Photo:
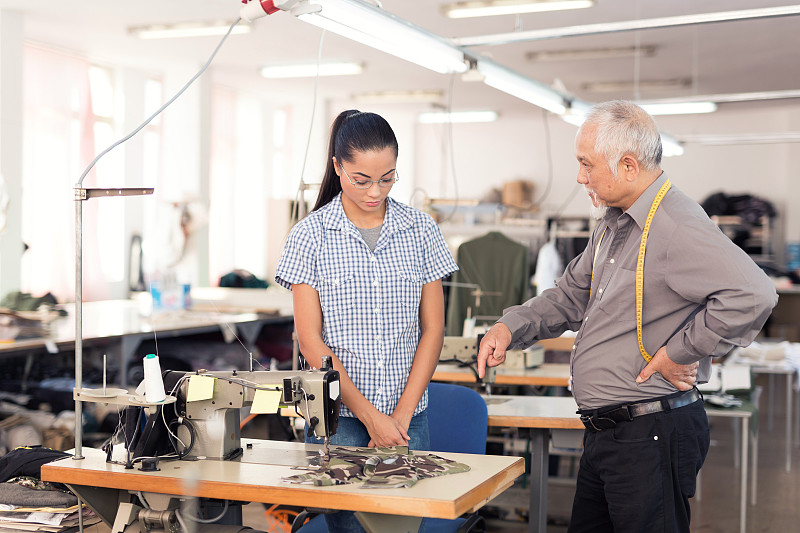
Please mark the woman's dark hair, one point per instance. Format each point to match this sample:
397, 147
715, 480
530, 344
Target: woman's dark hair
352, 131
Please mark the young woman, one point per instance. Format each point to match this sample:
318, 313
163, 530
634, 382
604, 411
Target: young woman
365, 272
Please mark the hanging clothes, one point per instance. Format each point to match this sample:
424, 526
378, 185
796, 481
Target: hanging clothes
549, 267
500, 267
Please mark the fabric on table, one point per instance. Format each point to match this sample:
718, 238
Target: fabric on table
27, 461
14, 494
391, 467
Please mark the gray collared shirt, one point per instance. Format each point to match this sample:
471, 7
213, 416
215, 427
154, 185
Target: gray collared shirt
702, 296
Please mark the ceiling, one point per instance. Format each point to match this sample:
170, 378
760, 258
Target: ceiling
728, 57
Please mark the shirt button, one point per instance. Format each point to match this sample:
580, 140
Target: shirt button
377, 337
574, 346
373, 258
611, 260
377, 309
375, 283
600, 291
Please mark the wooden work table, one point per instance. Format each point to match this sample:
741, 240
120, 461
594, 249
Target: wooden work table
546, 374
256, 477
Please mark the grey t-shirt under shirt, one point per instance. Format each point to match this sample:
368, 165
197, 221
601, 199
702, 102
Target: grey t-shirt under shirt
371, 236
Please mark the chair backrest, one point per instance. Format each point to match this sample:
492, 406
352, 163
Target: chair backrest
457, 418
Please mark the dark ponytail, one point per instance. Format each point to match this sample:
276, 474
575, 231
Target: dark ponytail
352, 131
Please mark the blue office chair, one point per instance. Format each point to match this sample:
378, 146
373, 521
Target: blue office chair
458, 422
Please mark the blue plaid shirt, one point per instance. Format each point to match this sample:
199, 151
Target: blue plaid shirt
370, 300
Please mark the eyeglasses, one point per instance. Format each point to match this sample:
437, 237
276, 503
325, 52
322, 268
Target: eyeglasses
366, 184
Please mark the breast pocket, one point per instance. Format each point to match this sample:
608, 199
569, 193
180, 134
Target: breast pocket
618, 299
409, 288
337, 292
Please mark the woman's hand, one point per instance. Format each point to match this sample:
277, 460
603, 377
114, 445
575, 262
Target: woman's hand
385, 430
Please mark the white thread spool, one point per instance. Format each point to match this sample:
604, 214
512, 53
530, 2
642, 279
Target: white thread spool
153, 382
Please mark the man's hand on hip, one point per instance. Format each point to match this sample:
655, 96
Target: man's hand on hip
492, 351
682, 376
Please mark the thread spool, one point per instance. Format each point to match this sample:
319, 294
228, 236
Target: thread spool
153, 382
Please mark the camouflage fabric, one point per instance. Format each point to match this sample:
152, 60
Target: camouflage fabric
393, 467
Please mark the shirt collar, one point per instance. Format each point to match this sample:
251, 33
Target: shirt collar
641, 207
397, 218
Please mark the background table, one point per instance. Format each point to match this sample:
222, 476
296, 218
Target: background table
537, 415
122, 323
546, 374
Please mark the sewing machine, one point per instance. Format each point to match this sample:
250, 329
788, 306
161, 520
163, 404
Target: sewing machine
212, 423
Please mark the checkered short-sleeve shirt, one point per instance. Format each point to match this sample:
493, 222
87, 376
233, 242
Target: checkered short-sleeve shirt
370, 300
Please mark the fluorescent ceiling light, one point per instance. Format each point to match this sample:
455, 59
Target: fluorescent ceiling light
310, 70
720, 139
456, 117
400, 97
379, 29
630, 85
670, 147
730, 97
684, 108
586, 54
523, 88
627, 25
189, 29
510, 7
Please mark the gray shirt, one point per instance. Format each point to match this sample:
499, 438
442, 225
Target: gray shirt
370, 236
702, 296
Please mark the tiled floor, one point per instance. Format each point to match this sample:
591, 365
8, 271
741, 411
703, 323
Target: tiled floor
778, 492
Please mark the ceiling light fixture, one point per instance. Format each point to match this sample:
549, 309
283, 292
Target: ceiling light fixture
400, 97
731, 97
721, 139
521, 87
371, 26
509, 7
683, 108
586, 54
310, 70
627, 25
189, 29
456, 117
643, 85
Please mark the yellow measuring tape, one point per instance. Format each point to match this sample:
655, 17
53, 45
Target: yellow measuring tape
640, 267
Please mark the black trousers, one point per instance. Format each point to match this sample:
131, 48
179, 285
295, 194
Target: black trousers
638, 476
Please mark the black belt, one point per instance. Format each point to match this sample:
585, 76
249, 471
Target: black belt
600, 419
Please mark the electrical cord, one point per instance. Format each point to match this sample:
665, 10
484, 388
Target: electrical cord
300, 196
162, 108
549, 153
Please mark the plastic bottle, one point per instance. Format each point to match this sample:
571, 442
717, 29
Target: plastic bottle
153, 382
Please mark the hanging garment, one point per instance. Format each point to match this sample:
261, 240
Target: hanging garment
496, 264
392, 467
548, 267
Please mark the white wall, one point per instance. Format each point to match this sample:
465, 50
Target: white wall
487, 155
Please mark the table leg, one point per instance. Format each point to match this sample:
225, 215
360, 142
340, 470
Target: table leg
537, 513
771, 401
743, 498
789, 402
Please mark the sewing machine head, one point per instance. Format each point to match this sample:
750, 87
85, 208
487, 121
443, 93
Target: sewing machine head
211, 419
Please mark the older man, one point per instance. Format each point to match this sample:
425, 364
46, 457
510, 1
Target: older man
657, 292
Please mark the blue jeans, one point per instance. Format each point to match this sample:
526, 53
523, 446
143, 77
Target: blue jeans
351, 432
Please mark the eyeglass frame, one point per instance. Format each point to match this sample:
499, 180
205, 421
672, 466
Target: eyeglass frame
394, 180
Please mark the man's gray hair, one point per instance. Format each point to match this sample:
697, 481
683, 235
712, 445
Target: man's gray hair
624, 128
